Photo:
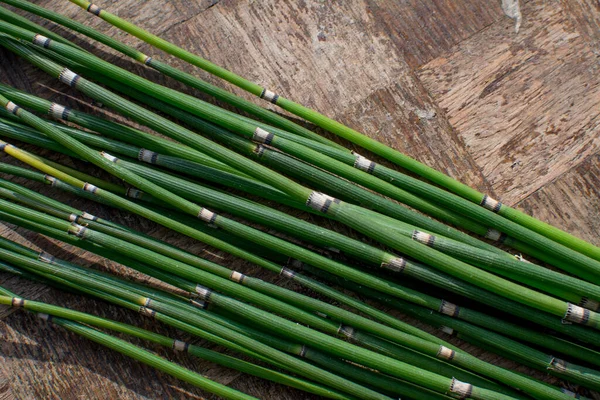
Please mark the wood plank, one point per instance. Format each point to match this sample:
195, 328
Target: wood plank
526, 104
585, 16
337, 58
571, 202
424, 30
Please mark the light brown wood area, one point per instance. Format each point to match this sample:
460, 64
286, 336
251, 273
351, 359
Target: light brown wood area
526, 104
447, 82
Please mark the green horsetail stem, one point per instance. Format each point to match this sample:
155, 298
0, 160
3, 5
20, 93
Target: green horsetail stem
219, 133
564, 286
65, 284
316, 175
170, 71
249, 130
158, 123
261, 214
355, 373
178, 346
501, 344
112, 245
350, 134
22, 133
307, 282
142, 293
131, 351
223, 237
114, 130
46, 205
188, 102
322, 287
162, 262
387, 287
578, 332
148, 306
18, 20
167, 250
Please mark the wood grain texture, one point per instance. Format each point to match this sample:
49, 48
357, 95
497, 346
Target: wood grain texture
424, 30
585, 15
571, 202
351, 60
526, 104
338, 58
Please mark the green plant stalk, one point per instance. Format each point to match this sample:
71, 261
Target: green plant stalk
112, 247
573, 330
248, 129
158, 123
355, 373
499, 342
566, 287
352, 135
159, 217
290, 249
476, 318
65, 284
388, 287
145, 293
297, 277
286, 326
203, 228
18, 20
134, 352
22, 172
173, 96
346, 213
43, 204
386, 384
152, 360
562, 369
430, 348
217, 132
269, 289
117, 131
515, 350
149, 305
172, 72
208, 128
313, 171
220, 176
531, 274
176, 345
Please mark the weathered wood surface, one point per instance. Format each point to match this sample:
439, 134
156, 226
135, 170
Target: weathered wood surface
526, 104
388, 68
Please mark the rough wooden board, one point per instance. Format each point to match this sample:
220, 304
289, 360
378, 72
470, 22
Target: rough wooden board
316, 54
424, 30
328, 43
571, 202
585, 15
526, 104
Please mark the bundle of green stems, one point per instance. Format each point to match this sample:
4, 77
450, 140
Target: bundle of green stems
218, 177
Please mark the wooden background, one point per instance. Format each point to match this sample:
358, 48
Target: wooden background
449, 82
